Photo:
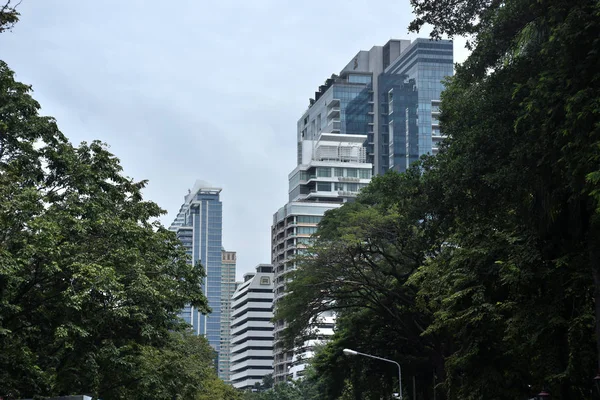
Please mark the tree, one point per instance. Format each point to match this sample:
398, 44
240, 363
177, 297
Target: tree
8, 15
89, 284
359, 266
496, 242
519, 204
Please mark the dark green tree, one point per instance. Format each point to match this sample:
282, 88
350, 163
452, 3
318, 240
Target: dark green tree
90, 283
515, 284
359, 266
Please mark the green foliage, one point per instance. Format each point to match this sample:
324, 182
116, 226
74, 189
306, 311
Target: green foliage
481, 265
8, 15
90, 286
359, 266
293, 390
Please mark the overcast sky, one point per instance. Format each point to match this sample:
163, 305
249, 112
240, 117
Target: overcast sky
196, 89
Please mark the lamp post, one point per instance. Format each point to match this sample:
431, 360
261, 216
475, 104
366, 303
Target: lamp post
597, 382
543, 395
349, 352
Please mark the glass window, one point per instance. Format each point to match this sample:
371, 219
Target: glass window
308, 219
339, 172
352, 187
324, 186
364, 173
323, 172
352, 172
306, 230
355, 78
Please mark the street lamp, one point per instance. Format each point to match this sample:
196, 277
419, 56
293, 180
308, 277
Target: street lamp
350, 352
543, 395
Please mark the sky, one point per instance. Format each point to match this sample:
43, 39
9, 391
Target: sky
197, 89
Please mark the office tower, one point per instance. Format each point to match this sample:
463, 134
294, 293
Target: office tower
409, 108
199, 227
332, 169
228, 286
252, 329
387, 100
386, 93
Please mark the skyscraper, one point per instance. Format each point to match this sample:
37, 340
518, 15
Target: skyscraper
385, 93
332, 169
228, 285
409, 91
199, 227
386, 100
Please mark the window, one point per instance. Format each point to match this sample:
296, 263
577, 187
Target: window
339, 172
364, 173
352, 172
352, 187
264, 280
306, 230
324, 186
308, 219
355, 78
323, 172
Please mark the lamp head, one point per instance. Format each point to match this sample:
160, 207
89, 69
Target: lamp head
349, 352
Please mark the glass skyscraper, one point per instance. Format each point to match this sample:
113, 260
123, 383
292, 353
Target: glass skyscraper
409, 90
388, 93
199, 227
384, 101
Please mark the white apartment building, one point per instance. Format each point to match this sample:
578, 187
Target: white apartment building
332, 171
251, 328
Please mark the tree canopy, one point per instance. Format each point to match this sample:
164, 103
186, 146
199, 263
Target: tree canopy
483, 262
90, 282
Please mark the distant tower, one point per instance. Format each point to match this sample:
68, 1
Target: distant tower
228, 285
199, 227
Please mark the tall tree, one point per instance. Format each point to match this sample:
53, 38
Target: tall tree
520, 183
359, 265
89, 280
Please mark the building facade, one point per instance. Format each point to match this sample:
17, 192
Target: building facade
228, 286
385, 93
252, 328
332, 169
410, 88
199, 227
385, 100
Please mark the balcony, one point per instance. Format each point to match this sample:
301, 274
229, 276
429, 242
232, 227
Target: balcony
333, 113
334, 126
334, 103
348, 179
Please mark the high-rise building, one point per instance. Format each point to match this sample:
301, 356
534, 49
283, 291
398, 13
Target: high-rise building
199, 227
228, 286
385, 99
332, 169
252, 329
408, 108
385, 93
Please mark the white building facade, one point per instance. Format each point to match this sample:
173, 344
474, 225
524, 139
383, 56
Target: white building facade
332, 170
252, 329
